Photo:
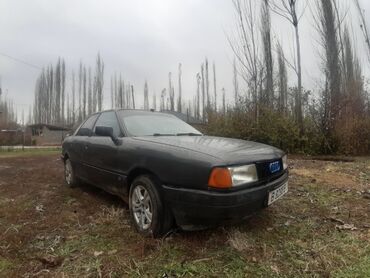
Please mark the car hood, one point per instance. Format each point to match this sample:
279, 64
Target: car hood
230, 151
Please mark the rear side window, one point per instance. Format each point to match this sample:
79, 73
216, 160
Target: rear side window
87, 128
109, 119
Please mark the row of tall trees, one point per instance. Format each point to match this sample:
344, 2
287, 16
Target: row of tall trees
203, 101
54, 104
123, 93
49, 100
344, 100
8, 114
336, 118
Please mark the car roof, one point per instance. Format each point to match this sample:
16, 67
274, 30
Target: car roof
137, 112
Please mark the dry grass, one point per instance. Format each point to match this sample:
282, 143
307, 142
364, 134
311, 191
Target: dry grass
48, 230
239, 240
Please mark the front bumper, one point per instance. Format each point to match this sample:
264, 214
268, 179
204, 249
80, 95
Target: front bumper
207, 208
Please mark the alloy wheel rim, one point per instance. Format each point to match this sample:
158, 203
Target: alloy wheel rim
142, 207
68, 172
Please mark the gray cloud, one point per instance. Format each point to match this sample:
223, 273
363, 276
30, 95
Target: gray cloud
142, 39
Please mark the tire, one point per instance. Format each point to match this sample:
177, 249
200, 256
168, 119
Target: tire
69, 174
149, 214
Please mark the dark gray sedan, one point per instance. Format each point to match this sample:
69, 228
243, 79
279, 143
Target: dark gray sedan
170, 173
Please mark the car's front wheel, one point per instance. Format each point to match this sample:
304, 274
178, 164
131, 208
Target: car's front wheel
69, 174
148, 213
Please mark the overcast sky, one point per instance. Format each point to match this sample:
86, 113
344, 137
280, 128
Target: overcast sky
142, 39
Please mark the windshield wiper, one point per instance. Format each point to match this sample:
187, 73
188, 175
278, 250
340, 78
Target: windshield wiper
188, 134
163, 134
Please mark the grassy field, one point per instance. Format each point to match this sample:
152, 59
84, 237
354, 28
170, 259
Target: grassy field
320, 229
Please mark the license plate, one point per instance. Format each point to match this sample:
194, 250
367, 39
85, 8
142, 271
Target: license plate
277, 193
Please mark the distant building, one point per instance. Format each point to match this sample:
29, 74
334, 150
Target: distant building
47, 135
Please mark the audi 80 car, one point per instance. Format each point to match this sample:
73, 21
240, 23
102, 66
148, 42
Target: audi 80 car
170, 173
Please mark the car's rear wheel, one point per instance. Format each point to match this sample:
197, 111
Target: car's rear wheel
69, 174
149, 214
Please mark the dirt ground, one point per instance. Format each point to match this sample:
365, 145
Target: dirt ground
321, 228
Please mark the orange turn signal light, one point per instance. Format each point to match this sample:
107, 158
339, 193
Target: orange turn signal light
220, 178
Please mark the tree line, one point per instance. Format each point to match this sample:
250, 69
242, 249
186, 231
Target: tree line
8, 114
55, 104
269, 102
333, 119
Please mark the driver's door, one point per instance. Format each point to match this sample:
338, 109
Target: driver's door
102, 155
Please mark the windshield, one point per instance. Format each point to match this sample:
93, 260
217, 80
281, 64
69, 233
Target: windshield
156, 125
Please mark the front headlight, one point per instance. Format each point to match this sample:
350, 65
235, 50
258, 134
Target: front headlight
221, 177
285, 162
243, 174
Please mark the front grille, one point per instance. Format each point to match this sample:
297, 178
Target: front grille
264, 173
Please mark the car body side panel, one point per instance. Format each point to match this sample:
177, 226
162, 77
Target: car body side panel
102, 161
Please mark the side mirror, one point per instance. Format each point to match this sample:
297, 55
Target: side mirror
107, 132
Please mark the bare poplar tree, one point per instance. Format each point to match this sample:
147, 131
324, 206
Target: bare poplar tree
203, 94
73, 98
68, 111
214, 86
84, 93
80, 77
348, 62
172, 99
245, 45
171, 92
282, 80
126, 94
112, 92
133, 96
363, 26
121, 93
199, 78
154, 106
267, 93
339, 20
353, 98
50, 96
235, 84
63, 88
146, 96
207, 85
99, 81
116, 87
288, 9
29, 120
223, 102
163, 99
329, 38
57, 92
179, 103
89, 94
